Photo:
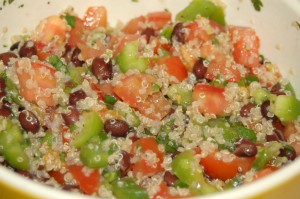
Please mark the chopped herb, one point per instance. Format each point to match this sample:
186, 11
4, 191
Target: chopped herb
109, 99
59, 65
21, 6
257, 4
135, 0
70, 20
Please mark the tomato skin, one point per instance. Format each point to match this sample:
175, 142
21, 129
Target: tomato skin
174, 67
211, 99
196, 32
95, 17
58, 176
129, 87
219, 169
245, 46
88, 184
158, 19
44, 79
163, 192
134, 25
141, 166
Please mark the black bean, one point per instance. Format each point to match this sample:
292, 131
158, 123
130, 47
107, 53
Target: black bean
5, 110
148, 32
5, 57
71, 117
2, 87
170, 178
28, 49
74, 57
29, 121
117, 128
199, 69
15, 46
264, 109
277, 89
68, 53
277, 124
101, 69
245, 110
276, 136
76, 96
178, 33
125, 163
288, 152
68, 187
245, 148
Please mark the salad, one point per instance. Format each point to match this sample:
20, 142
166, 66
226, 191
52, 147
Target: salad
153, 108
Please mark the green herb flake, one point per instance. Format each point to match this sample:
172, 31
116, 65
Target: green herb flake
298, 24
257, 4
70, 20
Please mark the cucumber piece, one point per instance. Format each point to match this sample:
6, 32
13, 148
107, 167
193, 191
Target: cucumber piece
128, 58
260, 95
126, 188
92, 125
205, 8
180, 94
286, 108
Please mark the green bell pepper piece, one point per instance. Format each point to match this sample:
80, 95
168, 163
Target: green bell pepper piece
188, 170
260, 95
126, 188
205, 8
92, 125
129, 59
265, 154
286, 108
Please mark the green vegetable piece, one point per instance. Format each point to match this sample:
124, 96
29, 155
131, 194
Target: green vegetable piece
16, 157
260, 95
129, 59
111, 176
92, 125
92, 153
232, 134
56, 62
163, 137
286, 108
188, 170
11, 140
76, 75
166, 32
126, 188
257, 4
246, 81
180, 94
109, 99
127, 113
265, 154
13, 94
71, 20
205, 8
49, 138
290, 88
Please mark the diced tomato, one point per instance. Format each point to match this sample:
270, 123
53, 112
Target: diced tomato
163, 192
135, 88
64, 130
142, 166
219, 65
245, 46
134, 25
76, 33
217, 168
36, 81
210, 98
95, 17
158, 20
58, 176
264, 172
196, 32
88, 183
174, 67
123, 41
43, 52
155, 107
51, 30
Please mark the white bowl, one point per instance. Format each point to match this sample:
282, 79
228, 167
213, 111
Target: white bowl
280, 42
